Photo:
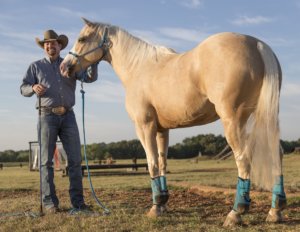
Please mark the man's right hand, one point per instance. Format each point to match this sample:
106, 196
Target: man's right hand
39, 89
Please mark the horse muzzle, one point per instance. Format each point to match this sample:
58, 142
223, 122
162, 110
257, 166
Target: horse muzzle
67, 69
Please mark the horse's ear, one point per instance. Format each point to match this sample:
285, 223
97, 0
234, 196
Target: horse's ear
87, 22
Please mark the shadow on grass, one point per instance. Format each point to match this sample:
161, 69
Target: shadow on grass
210, 170
116, 173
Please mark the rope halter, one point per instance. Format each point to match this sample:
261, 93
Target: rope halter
103, 44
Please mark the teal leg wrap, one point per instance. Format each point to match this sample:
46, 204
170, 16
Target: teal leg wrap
156, 189
160, 193
242, 198
164, 190
163, 183
278, 195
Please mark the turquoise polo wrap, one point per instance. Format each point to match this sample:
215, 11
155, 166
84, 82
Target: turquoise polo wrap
163, 183
160, 194
278, 194
242, 198
164, 197
156, 189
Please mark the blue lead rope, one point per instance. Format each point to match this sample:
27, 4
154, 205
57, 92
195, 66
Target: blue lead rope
106, 210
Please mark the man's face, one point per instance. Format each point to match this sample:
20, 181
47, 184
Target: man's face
52, 49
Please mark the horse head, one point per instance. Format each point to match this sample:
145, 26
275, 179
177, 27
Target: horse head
89, 48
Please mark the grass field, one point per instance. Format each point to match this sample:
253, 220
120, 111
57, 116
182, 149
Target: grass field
201, 195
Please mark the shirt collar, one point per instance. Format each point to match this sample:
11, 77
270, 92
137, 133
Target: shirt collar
54, 62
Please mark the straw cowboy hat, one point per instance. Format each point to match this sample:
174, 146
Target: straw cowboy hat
51, 35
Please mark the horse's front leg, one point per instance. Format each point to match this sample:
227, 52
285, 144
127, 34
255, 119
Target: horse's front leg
146, 131
162, 139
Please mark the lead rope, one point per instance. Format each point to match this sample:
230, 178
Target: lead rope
106, 210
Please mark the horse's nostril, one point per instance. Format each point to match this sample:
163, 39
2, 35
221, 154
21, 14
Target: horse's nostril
70, 68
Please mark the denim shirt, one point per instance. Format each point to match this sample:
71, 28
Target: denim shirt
60, 90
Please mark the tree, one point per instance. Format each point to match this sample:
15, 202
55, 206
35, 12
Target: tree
208, 145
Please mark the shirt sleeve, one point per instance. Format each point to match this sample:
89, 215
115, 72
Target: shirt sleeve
28, 81
89, 75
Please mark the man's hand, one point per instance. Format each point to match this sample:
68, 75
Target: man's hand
39, 89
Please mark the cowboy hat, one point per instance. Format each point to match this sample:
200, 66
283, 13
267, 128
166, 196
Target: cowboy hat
51, 35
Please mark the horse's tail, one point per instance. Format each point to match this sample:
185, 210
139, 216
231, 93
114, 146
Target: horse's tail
263, 140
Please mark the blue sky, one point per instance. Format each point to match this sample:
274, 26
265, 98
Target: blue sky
179, 24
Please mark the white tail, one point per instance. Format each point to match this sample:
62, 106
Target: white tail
264, 140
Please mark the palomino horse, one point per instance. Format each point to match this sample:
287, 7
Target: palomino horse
232, 77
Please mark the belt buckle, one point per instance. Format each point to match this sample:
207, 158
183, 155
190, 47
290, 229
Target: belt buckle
60, 110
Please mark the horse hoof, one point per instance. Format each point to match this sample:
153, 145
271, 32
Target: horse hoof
233, 219
163, 209
154, 212
274, 216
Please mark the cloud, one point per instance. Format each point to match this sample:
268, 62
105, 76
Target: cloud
151, 37
65, 12
190, 35
177, 38
282, 42
6, 18
4, 111
14, 62
109, 14
16, 35
167, 35
246, 20
192, 4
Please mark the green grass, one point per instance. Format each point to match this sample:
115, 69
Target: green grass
128, 196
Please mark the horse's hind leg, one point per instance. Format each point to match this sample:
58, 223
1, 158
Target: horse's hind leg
236, 138
278, 201
233, 127
278, 198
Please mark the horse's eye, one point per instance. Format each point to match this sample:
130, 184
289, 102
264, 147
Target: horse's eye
81, 39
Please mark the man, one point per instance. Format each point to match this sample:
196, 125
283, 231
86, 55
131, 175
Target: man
57, 97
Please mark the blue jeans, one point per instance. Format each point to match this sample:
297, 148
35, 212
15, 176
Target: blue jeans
65, 127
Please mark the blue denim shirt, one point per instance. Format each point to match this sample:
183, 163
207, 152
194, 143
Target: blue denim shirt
60, 90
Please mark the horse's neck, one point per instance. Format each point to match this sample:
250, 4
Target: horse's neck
119, 64
121, 60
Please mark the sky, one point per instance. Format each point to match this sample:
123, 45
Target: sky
179, 24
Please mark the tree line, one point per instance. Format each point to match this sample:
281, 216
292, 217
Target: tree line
208, 145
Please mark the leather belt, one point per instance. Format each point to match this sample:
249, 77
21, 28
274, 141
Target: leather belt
59, 110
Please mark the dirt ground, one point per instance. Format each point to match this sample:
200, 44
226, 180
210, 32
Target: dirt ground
209, 203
